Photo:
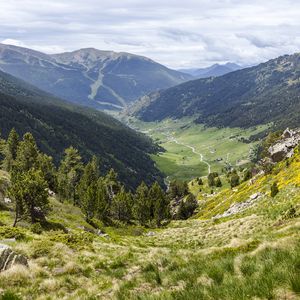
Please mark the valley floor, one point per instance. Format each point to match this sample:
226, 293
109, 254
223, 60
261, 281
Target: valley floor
193, 150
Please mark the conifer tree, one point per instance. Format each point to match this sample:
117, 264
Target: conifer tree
29, 192
48, 170
27, 154
121, 207
69, 174
103, 201
142, 204
9, 150
159, 204
89, 177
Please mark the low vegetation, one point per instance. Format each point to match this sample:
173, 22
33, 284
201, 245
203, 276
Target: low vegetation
253, 253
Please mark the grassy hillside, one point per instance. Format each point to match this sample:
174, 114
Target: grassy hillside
56, 125
262, 94
254, 254
219, 147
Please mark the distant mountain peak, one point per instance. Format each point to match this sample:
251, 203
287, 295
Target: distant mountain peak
98, 78
213, 70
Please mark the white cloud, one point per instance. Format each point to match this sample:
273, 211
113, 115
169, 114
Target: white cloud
190, 33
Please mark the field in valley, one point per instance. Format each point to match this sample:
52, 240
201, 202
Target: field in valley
192, 150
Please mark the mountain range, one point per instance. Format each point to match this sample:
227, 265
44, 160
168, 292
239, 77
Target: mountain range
90, 77
267, 93
57, 124
212, 71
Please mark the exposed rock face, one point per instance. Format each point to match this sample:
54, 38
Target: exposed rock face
9, 258
284, 148
236, 208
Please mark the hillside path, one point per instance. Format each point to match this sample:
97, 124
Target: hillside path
171, 138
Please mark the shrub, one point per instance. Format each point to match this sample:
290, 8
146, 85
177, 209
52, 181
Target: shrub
74, 240
36, 228
7, 232
274, 189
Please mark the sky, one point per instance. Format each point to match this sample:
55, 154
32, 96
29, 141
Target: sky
176, 33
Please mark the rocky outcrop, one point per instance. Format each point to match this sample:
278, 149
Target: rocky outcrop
9, 258
236, 208
284, 148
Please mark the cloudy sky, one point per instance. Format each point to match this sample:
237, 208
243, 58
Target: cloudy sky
177, 33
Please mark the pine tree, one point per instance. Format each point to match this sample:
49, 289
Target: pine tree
90, 176
112, 184
211, 179
187, 207
142, 205
159, 204
103, 201
234, 180
48, 170
29, 191
121, 206
27, 154
9, 150
69, 174
89, 201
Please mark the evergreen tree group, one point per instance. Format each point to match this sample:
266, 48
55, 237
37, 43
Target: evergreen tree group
100, 197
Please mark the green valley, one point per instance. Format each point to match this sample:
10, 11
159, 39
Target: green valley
193, 150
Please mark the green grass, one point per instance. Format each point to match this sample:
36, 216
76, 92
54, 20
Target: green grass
251, 255
179, 161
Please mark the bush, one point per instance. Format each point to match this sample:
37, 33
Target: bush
73, 240
7, 232
274, 189
36, 228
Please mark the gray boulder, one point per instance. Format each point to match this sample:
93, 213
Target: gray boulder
9, 258
284, 148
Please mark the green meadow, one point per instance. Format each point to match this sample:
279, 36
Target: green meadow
219, 146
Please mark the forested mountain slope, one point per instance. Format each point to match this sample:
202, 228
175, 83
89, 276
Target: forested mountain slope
57, 124
269, 92
90, 77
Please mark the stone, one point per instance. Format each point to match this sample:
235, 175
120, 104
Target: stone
7, 200
284, 148
150, 233
9, 258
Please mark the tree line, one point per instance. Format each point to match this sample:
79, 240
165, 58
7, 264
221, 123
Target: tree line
100, 196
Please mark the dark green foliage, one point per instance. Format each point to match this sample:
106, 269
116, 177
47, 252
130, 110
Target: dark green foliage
9, 150
8, 232
69, 174
160, 204
187, 207
121, 206
247, 175
29, 192
262, 94
142, 204
214, 180
27, 154
56, 125
7, 295
178, 189
218, 182
234, 180
200, 181
274, 189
